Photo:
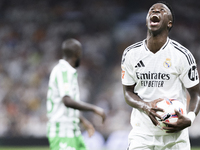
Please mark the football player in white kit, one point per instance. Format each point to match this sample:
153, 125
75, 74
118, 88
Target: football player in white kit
156, 68
63, 102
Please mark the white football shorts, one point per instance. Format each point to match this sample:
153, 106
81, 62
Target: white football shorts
173, 141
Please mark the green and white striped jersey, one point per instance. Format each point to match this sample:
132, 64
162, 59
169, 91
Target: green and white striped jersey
62, 121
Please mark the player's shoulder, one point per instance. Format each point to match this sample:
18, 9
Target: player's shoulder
55, 68
59, 67
177, 46
183, 51
132, 48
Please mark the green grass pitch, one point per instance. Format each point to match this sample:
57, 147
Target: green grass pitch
195, 148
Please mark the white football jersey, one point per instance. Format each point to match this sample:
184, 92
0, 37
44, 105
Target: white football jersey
164, 74
62, 121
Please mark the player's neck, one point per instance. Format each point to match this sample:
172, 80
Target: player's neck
70, 61
154, 43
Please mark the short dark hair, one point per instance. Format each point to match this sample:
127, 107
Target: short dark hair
171, 10
70, 47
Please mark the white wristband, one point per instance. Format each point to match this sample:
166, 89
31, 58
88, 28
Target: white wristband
191, 115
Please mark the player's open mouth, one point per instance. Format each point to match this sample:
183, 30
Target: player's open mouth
154, 20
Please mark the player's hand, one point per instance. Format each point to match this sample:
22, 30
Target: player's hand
151, 109
88, 127
99, 111
182, 123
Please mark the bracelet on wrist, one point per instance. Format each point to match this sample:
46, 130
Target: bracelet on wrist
191, 115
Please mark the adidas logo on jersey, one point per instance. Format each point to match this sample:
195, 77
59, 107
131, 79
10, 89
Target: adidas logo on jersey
140, 64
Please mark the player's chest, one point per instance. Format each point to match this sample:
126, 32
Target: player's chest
155, 66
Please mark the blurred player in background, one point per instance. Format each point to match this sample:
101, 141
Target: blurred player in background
158, 68
63, 102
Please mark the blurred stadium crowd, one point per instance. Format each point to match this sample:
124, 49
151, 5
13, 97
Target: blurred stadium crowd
31, 33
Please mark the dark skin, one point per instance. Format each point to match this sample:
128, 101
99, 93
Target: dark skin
135, 101
72, 54
184, 122
83, 106
159, 21
87, 125
158, 32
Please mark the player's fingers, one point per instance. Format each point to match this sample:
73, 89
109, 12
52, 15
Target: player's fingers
103, 118
158, 109
158, 100
154, 120
156, 115
170, 131
91, 132
168, 128
168, 124
177, 113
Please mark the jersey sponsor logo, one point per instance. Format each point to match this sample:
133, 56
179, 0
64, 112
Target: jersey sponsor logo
150, 79
193, 73
149, 75
152, 83
167, 63
140, 64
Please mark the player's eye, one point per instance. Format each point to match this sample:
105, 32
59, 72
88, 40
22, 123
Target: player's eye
162, 10
151, 9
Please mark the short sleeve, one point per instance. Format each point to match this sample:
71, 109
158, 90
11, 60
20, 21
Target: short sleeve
63, 82
127, 74
189, 73
58, 84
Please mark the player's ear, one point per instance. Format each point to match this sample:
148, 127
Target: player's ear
169, 24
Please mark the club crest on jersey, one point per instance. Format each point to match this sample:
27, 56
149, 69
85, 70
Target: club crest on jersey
167, 63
